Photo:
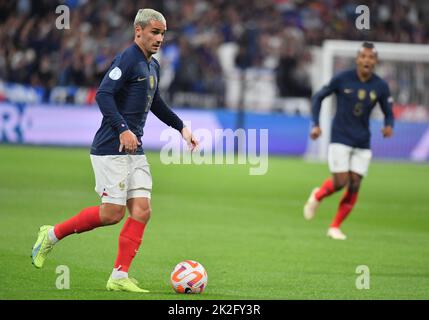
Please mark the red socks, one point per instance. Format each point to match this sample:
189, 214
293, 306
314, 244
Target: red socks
129, 243
325, 190
87, 219
346, 205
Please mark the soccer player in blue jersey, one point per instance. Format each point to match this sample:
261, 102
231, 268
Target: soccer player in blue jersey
128, 91
358, 90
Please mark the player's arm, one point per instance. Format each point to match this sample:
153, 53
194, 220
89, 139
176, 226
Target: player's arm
113, 81
316, 105
160, 109
386, 102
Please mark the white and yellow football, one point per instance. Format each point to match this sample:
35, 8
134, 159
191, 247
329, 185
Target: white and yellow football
189, 276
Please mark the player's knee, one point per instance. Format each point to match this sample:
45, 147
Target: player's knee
355, 181
112, 214
142, 214
117, 217
340, 181
340, 184
354, 186
145, 214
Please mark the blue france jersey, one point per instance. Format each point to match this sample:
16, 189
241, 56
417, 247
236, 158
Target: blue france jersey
355, 101
127, 92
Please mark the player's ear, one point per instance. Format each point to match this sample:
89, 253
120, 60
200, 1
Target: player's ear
137, 31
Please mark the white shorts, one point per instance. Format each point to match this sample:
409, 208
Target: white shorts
122, 177
343, 158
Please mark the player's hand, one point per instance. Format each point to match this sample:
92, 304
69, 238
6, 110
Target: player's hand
190, 139
315, 132
387, 131
128, 142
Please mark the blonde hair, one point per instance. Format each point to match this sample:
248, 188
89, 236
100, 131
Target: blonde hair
144, 16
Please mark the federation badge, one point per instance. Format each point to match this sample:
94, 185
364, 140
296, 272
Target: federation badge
152, 82
373, 95
361, 94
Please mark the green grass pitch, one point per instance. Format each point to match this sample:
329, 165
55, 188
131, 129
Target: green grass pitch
248, 231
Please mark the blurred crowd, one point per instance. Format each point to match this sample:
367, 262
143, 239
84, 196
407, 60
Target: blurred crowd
275, 34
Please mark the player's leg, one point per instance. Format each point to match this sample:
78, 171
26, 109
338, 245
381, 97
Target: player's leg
131, 234
109, 174
130, 238
129, 243
348, 199
359, 164
86, 220
336, 182
90, 218
338, 159
110, 183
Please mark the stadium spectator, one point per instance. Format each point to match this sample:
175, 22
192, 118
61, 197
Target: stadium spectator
80, 55
291, 76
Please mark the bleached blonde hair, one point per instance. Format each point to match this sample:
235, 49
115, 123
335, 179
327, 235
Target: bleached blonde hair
144, 16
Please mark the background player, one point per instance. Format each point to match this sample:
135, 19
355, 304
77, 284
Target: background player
123, 180
357, 91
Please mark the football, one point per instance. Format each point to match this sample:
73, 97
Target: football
189, 277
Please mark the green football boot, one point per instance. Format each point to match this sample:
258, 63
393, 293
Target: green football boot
124, 284
42, 247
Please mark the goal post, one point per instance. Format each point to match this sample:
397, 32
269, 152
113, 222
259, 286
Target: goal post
394, 59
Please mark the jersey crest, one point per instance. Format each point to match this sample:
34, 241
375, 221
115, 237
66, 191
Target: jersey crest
361, 94
152, 82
